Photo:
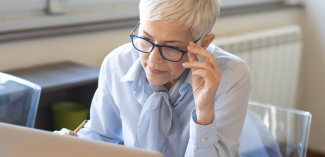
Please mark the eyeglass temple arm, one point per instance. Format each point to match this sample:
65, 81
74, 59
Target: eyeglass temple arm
197, 40
136, 27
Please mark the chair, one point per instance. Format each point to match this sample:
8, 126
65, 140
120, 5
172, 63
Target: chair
275, 130
18, 100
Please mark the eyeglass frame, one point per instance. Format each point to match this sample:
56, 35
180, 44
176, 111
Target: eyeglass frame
155, 45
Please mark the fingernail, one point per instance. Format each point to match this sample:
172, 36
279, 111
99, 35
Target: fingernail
192, 44
185, 63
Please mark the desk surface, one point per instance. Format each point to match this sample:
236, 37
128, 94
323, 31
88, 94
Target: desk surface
58, 75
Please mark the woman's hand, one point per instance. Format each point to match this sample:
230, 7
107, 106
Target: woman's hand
65, 131
206, 77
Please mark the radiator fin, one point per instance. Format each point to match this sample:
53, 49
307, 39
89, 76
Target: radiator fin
273, 56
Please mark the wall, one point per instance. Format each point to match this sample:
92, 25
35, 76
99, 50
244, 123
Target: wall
91, 48
313, 72
85, 48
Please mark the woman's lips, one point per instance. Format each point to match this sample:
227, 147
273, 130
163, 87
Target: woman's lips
155, 71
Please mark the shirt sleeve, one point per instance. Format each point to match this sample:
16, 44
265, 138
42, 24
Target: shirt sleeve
221, 137
105, 122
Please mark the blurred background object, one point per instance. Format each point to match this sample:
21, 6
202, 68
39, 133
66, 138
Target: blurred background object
271, 54
275, 131
68, 115
61, 82
292, 2
85, 31
18, 100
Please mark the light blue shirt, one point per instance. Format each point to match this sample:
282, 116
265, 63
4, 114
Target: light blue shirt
117, 105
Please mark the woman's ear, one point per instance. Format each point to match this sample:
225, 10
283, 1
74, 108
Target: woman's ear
206, 40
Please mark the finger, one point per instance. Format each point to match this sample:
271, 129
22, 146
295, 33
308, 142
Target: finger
65, 131
72, 133
206, 55
201, 65
208, 78
192, 57
75, 134
198, 50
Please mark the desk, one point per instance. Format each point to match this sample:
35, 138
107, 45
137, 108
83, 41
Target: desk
64, 81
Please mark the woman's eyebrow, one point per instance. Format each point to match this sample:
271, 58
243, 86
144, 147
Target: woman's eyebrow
173, 41
148, 34
169, 41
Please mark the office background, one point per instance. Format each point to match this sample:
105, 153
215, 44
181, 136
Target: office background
90, 47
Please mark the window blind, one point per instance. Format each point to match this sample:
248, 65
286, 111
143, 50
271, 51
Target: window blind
16, 15
237, 3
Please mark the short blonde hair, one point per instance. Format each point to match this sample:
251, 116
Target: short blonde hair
198, 15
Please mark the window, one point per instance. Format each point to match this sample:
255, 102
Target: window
237, 3
18, 15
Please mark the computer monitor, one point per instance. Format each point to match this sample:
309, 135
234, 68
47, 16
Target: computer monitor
16, 141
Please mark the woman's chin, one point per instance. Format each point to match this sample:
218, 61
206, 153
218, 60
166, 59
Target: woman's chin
156, 81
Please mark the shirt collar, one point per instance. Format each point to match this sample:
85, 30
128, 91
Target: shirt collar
134, 72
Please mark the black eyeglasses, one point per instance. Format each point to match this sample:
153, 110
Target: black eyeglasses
144, 45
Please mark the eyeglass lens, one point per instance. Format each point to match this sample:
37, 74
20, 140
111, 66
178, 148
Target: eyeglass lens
168, 53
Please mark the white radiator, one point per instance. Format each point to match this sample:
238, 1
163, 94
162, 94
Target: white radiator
273, 56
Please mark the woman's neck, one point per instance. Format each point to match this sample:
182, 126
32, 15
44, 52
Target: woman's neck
170, 84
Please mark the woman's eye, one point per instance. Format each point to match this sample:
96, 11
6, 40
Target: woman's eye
149, 39
179, 48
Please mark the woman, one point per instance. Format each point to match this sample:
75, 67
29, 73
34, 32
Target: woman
170, 90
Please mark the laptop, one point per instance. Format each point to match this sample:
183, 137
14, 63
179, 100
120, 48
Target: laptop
18, 141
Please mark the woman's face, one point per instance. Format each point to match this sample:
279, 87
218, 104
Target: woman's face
158, 70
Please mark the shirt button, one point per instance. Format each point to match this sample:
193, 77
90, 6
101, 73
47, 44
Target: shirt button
178, 101
203, 139
193, 136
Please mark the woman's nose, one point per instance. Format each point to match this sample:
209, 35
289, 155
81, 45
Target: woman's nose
155, 56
